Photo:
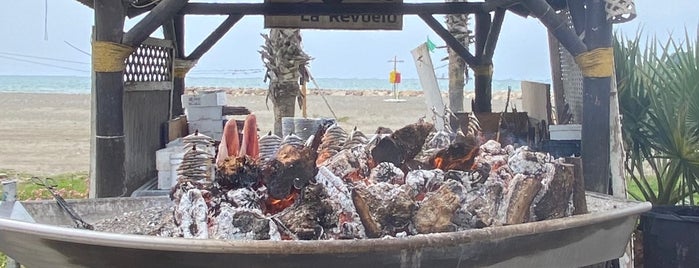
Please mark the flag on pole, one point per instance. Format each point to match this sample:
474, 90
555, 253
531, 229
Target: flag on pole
430, 46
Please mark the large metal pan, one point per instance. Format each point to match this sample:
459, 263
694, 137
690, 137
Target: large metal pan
567, 242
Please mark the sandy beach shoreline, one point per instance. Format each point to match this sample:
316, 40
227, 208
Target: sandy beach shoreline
47, 134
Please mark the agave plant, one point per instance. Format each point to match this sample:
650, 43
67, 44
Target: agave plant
658, 88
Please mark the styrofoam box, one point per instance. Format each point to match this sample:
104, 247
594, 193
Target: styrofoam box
565, 132
162, 159
210, 127
165, 180
204, 99
197, 113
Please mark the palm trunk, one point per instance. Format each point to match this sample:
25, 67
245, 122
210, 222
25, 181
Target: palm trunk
284, 101
457, 68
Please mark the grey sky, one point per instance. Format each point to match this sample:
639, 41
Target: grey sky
521, 53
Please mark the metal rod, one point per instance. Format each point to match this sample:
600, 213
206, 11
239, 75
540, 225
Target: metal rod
331, 9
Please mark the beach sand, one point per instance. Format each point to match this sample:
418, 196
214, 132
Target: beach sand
47, 134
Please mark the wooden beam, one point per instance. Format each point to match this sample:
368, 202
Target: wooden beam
482, 28
493, 35
332, 9
216, 35
556, 25
165, 10
491, 5
449, 39
595, 120
108, 98
576, 8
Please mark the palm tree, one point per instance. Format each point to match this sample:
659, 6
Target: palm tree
286, 64
457, 25
658, 93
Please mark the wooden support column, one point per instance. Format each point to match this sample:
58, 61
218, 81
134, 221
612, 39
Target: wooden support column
174, 30
483, 72
596, 90
107, 96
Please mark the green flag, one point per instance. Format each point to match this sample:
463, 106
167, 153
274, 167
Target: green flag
430, 46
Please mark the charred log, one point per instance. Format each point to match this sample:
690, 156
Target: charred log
437, 211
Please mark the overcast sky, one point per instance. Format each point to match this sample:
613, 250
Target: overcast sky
522, 51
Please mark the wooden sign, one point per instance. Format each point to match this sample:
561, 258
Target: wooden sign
339, 22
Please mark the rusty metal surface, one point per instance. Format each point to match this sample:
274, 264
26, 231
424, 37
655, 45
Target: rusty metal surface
567, 242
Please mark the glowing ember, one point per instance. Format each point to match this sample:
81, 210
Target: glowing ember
274, 206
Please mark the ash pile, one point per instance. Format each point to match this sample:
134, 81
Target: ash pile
347, 185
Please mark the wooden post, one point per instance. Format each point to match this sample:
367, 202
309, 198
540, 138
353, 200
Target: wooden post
108, 96
579, 199
596, 90
176, 108
483, 72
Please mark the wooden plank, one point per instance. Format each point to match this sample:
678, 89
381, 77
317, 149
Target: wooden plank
536, 100
213, 38
449, 39
148, 86
145, 112
162, 12
345, 22
579, 200
428, 82
331, 9
108, 97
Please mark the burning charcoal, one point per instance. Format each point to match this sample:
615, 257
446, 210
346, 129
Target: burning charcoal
518, 199
481, 206
387, 149
422, 181
191, 215
349, 225
244, 198
350, 164
269, 145
384, 208
324, 155
387, 172
334, 138
435, 142
527, 162
243, 224
292, 139
294, 166
437, 210
356, 138
492, 147
411, 138
556, 194
310, 215
238, 172
459, 155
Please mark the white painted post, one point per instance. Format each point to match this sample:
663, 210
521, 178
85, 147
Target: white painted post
428, 82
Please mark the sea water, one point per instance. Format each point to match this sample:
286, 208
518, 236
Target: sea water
82, 84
